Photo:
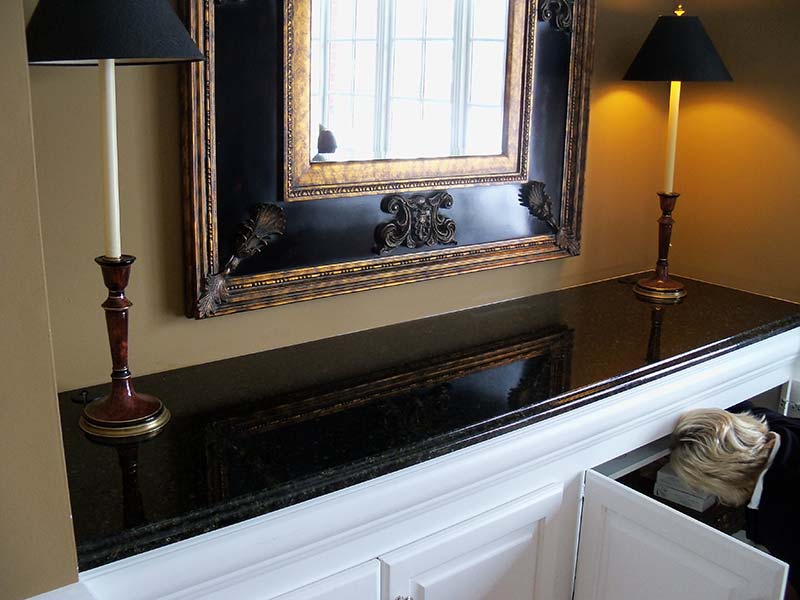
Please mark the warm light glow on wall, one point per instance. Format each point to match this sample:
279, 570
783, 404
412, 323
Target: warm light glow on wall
626, 147
620, 100
744, 225
718, 116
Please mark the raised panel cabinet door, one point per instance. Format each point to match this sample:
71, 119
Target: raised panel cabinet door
490, 557
359, 583
633, 547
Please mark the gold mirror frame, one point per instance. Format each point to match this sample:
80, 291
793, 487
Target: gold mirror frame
306, 180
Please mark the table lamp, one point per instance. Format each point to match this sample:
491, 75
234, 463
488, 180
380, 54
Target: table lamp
678, 49
106, 33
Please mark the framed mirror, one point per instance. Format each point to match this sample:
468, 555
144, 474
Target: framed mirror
418, 94
426, 138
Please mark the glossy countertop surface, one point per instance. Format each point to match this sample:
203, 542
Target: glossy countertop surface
261, 432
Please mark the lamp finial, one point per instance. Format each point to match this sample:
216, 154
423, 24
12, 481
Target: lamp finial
680, 10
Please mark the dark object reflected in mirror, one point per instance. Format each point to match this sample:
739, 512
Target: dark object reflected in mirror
326, 145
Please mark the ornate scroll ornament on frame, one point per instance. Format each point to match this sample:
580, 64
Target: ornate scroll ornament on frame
558, 13
255, 234
417, 222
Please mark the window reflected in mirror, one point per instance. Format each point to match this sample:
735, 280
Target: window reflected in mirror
400, 79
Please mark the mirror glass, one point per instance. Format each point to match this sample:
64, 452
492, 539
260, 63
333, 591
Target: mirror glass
395, 79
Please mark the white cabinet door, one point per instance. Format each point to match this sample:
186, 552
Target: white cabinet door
632, 547
359, 583
492, 556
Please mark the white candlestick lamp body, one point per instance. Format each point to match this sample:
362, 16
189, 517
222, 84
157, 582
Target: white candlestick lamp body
672, 135
108, 145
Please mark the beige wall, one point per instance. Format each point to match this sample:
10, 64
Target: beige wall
36, 544
618, 231
739, 154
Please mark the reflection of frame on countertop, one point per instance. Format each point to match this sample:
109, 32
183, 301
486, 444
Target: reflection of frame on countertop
425, 381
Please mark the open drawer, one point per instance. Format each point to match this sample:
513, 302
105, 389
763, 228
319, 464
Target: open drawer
633, 547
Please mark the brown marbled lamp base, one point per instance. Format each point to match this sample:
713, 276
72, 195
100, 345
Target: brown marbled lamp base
123, 413
661, 288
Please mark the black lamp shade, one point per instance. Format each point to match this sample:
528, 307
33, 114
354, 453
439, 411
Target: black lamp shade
76, 32
678, 49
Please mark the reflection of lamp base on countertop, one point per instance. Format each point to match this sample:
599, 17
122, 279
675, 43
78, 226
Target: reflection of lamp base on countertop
123, 413
661, 287
658, 290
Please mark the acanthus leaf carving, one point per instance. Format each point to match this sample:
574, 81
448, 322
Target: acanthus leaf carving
266, 222
566, 240
532, 195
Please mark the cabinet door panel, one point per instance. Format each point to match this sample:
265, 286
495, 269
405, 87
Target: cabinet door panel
359, 583
503, 569
633, 547
491, 556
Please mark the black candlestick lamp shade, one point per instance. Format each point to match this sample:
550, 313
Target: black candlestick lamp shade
134, 32
678, 49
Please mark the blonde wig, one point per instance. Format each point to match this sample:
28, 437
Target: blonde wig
721, 453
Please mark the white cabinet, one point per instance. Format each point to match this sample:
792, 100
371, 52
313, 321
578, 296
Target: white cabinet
633, 547
492, 556
359, 583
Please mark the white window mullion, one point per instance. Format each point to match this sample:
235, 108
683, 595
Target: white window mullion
353, 53
378, 106
461, 61
423, 57
383, 92
325, 45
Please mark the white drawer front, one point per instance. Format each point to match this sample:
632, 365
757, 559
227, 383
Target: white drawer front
359, 583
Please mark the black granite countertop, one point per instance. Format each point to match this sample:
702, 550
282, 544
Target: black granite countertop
261, 432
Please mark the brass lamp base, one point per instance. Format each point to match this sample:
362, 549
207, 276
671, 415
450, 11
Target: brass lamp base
147, 425
660, 291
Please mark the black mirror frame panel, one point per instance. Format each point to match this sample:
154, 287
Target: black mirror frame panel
214, 286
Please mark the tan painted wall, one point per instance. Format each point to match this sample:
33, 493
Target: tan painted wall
617, 232
739, 154
34, 505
